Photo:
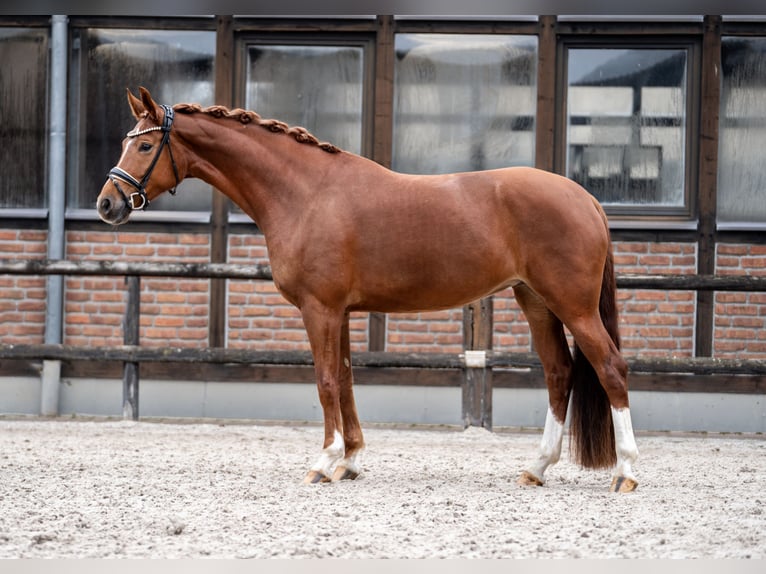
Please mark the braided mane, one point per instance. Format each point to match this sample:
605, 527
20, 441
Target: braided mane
300, 134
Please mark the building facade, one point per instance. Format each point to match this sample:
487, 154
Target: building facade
662, 119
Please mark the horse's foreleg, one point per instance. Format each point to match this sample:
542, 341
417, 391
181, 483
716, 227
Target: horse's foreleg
549, 451
324, 327
348, 468
551, 345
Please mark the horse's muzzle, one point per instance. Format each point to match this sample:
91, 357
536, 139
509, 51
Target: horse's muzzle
111, 207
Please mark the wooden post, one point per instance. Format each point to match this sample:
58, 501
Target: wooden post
708, 180
477, 384
131, 337
545, 118
382, 136
219, 217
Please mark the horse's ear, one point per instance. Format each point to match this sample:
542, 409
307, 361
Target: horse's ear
136, 106
151, 108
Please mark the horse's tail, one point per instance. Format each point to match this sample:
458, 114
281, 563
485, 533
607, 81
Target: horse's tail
592, 441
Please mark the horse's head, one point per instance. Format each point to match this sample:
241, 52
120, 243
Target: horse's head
146, 168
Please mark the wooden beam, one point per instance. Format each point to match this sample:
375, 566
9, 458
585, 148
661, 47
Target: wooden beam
219, 218
708, 179
131, 334
477, 382
382, 137
545, 118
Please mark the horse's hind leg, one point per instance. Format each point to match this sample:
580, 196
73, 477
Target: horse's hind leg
348, 468
611, 369
551, 345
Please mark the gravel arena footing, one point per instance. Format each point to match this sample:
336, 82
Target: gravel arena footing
115, 489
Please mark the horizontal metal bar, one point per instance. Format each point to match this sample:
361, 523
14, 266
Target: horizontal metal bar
692, 282
379, 359
147, 269
262, 271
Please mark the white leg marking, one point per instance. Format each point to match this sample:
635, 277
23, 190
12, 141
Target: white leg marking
550, 445
330, 456
627, 451
351, 464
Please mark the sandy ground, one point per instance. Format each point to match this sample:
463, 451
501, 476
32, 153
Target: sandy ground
95, 489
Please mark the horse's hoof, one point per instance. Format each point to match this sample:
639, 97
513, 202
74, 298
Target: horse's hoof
314, 476
529, 479
623, 484
343, 473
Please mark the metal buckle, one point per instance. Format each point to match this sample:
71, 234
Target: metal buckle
132, 202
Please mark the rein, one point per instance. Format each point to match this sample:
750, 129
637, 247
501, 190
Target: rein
117, 173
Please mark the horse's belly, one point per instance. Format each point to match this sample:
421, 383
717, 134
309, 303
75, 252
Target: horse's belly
432, 283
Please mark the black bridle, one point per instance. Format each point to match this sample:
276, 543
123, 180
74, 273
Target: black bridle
117, 173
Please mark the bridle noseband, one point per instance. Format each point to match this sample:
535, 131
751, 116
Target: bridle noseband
117, 173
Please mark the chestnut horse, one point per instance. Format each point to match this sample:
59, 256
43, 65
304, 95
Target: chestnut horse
346, 234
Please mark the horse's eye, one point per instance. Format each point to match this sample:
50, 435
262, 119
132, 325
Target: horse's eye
144, 146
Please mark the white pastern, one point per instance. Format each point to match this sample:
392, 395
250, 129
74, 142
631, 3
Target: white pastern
550, 445
350, 462
330, 456
627, 451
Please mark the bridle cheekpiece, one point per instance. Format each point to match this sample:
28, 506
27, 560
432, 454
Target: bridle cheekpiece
138, 199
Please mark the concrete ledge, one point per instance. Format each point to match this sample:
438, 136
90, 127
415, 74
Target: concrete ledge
416, 405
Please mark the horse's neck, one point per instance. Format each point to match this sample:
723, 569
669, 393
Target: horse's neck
264, 173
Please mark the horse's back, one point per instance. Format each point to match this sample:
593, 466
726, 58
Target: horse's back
425, 242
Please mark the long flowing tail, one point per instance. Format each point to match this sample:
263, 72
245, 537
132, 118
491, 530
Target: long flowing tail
592, 443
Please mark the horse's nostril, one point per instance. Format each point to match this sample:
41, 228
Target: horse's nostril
105, 204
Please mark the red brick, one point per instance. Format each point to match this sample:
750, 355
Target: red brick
630, 247
732, 249
140, 251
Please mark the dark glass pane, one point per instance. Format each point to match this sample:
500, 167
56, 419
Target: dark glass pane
626, 124
741, 176
317, 87
464, 102
175, 66
23, 119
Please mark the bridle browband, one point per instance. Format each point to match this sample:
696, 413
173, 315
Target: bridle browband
117, 173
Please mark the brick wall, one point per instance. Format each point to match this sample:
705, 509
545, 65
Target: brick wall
174, 312
22, 297
511, 330
435, 331
656, 322
740, 318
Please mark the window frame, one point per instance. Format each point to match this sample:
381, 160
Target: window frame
78, 24
473, 31
744, 28
34, 213
640, 216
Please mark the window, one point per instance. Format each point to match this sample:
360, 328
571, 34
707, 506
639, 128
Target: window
175, 66
742, 133
318, 87
464, 102
321, 86
626, 126
23, 117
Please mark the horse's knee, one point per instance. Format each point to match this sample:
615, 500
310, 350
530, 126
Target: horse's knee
328, 387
